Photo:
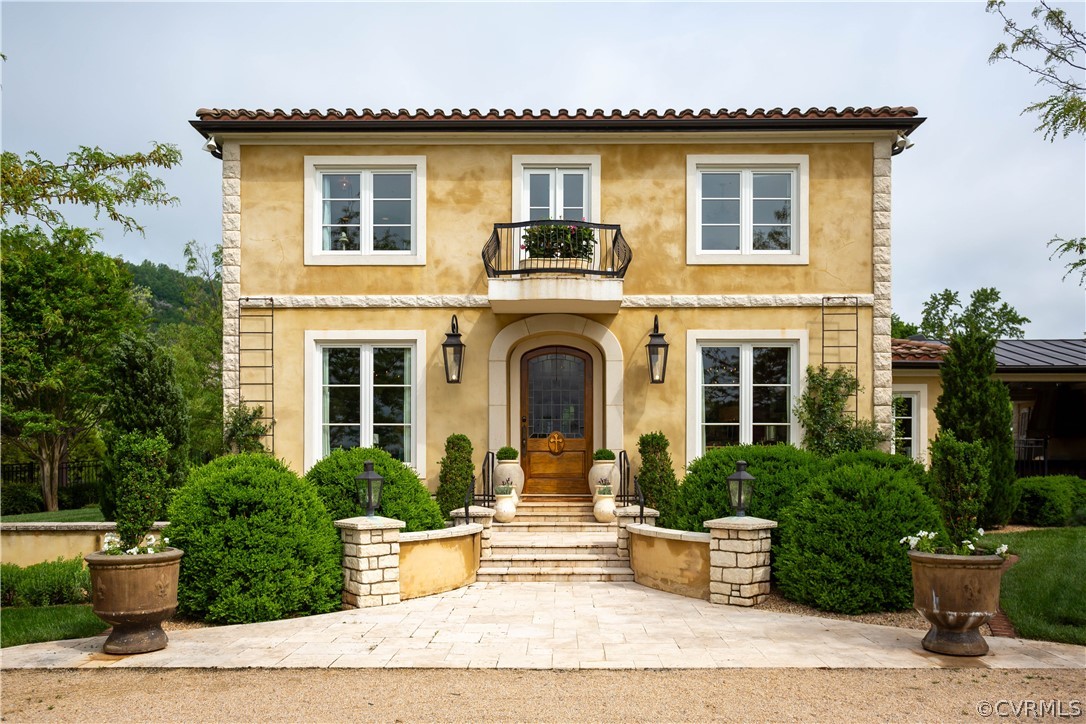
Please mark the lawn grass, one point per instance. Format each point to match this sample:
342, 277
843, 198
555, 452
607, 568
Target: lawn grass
1043, 593
90, 514
33, 624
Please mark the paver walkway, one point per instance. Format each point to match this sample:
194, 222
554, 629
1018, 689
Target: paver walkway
548, 626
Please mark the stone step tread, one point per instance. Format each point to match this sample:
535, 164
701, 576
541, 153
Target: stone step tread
545, 527
509, 541
569, 557
556, 571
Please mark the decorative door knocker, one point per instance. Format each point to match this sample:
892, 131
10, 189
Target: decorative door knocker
556, 442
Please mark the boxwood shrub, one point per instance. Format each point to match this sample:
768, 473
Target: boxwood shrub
259, 544
779, 471
456, 474
50, 583
19, 497
1052, 500
840, 547
403, 496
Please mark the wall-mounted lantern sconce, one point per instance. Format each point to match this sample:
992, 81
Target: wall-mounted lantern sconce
452, 349
657, 348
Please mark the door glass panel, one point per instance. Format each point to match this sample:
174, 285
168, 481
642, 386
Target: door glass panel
556, 385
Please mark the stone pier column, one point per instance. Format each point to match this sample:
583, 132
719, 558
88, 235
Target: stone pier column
482, 516
371, 560
739, 560
627, 515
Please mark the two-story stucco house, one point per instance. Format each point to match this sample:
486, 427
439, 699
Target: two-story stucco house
554, 244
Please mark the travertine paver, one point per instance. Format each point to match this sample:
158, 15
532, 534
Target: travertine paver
550, 626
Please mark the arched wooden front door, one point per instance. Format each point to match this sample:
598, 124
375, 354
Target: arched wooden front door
556, 422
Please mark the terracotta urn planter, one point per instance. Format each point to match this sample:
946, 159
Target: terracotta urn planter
135, 594
509, 472
956, 595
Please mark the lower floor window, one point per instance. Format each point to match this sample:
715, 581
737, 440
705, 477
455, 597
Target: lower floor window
905, 425
368, 398
745, 394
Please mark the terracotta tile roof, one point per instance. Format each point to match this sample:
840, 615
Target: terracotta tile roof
902, 118
911, 350
473, 114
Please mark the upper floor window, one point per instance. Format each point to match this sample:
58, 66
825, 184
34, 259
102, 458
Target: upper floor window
556, 187
747, 209
365, 210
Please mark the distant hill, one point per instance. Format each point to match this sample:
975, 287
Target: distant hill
167, 287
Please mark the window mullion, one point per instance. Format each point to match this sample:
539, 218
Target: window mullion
746, 394
365, 396
746, 212
365, 212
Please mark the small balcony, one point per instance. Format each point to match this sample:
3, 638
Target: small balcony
556, 266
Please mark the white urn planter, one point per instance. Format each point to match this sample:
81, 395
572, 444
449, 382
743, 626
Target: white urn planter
509, 472
604, 509
599, 474
505, 508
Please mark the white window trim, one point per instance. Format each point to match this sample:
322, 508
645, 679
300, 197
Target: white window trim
920, 413
315, 165
521, 163
797, 338
798, 163
315, 340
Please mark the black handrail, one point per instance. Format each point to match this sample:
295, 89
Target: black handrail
626, 493
487, 497
640, 501
469, 496
577, 247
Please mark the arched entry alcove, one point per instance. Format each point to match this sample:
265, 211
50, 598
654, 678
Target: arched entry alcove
525, 335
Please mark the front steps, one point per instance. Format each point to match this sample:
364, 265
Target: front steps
554, 541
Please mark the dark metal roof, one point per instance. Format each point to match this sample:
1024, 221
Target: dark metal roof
218, 120
1041, 355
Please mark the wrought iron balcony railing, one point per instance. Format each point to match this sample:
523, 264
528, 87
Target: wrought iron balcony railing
547, 247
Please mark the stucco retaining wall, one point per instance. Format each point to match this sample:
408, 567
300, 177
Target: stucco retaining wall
434, 561
669, 560
25, 544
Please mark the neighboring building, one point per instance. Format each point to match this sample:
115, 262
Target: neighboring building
1047, 382
351, 241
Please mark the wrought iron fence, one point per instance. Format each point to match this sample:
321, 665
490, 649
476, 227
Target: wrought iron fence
80, 472
1031, 457
568, 247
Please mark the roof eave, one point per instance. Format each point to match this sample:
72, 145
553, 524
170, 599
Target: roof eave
210, 127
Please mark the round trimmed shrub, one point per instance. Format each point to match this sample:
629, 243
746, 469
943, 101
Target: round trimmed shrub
779, 472
403, 496
259, 544
1047, 500
456, 473
840, 548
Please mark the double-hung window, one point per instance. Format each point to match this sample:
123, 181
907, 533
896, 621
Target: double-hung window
909, 415
365, 210
747, 209
365, 390
742, 391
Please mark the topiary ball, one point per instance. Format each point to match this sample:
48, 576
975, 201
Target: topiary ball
259, 544
840, 540
403, 496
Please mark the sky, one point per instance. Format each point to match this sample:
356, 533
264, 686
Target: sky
974, 201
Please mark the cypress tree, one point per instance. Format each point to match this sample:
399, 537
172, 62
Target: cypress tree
976, 407
455, 474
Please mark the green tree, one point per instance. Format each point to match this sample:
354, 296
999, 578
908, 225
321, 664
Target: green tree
1054, 52
1071, 248
976, 407
145, 399
944, 315
456, 474
827, 427
243, 432
900, 329
104, 181
65, 308
195, 343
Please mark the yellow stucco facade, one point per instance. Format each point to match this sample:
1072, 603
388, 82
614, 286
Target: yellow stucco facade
470, 183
